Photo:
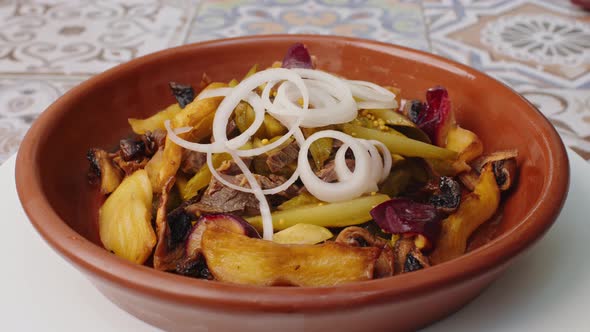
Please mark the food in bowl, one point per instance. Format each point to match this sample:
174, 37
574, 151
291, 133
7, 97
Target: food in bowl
345, 180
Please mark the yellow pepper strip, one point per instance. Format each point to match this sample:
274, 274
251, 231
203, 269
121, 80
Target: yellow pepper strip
476, 207
339, 214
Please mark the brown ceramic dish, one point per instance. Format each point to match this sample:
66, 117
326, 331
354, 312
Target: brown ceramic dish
51, 181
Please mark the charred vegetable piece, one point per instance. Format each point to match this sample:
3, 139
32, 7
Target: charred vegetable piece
229, 222
132, 149
503, 164
184, 93
196, 268
299, 201
166, 256
154, 122
412, 264
297, 56
436, 119
399, 144
339, 214
179, 225
412, 109
302, 234
475, 209
124, 220
404, 216
448, 197
103, 171
239, 259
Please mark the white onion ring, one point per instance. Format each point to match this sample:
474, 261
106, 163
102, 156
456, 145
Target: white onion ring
367, 105
381, 163
370, 91
352, 187
333, 103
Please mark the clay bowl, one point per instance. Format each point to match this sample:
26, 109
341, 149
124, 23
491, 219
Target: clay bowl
51, 180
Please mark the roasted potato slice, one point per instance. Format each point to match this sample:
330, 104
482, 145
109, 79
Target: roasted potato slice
476, 207
124, 221
303, 234
239, 259
199, 115
464, 142
154, 122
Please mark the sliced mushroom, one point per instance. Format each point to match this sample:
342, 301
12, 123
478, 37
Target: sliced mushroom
356, 237
408, 258
360, 237
503, 165
103, 171
448, 195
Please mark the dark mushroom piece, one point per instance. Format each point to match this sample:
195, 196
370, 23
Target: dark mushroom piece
184, 94
103, 170
503, 165
448, 195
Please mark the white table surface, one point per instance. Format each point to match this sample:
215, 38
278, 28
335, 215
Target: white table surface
548, 289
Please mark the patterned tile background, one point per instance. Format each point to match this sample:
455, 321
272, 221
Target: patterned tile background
540, 47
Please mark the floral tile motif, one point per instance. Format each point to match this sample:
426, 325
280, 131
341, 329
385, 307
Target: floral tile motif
399, 22
84, 36
21, 101
568, 111
539, 47
543, 43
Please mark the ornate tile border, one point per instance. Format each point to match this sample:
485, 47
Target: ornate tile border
543, 43
86, 37
399, 22
21, 101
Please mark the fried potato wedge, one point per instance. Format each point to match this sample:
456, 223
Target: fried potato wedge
199, 115
464, 142
239, 259
154, 122
476, 207
124, 220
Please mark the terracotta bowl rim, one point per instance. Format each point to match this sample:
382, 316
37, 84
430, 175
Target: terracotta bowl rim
169, 287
